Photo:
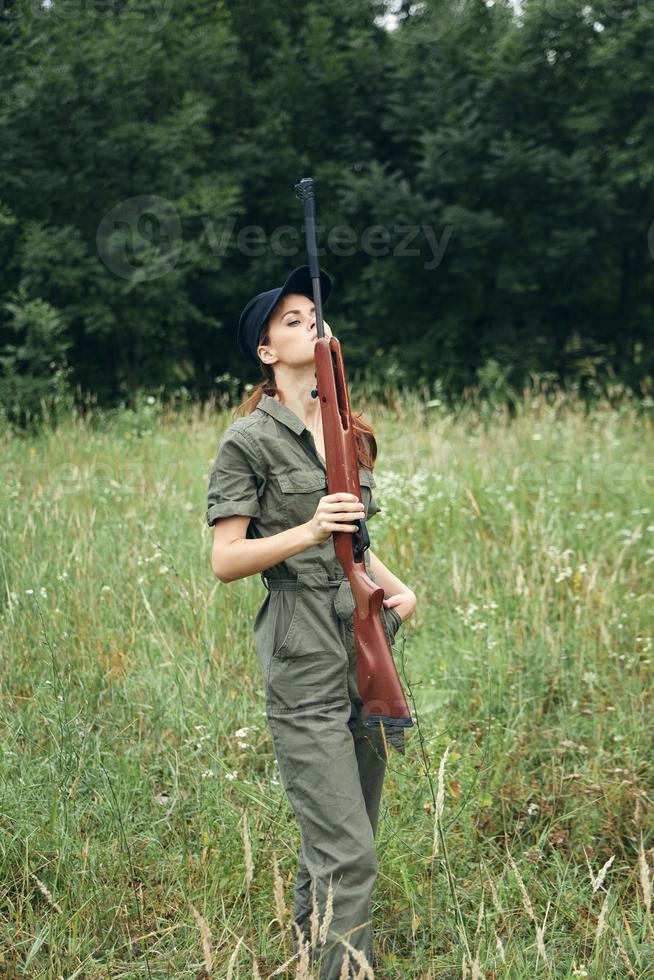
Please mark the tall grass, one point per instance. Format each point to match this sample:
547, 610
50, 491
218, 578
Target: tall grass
144, 829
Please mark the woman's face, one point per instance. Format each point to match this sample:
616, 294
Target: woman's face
292, 332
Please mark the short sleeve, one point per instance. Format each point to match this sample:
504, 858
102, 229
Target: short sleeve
233, 481
374, 507
367, 479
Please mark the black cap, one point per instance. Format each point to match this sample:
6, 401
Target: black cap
260, 307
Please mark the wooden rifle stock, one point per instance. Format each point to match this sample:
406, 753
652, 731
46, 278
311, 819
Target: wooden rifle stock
377, 678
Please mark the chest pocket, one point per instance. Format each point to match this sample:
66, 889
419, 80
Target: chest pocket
302, 491
300, 494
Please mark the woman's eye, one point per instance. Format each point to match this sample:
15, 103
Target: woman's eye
293, 322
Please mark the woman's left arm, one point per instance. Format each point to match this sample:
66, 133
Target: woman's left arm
397, 595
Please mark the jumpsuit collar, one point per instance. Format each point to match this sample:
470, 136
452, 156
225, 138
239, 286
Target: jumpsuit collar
284, 414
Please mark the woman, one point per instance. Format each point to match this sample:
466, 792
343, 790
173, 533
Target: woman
268, 505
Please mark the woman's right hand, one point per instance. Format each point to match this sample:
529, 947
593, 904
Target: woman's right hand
335, 512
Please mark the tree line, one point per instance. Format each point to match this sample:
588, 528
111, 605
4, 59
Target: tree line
483, 178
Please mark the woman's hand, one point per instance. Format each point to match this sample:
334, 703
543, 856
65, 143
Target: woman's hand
403, 603
334, 512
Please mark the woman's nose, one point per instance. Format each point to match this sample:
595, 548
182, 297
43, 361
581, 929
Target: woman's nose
327, 328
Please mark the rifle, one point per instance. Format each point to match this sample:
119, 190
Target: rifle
377, 678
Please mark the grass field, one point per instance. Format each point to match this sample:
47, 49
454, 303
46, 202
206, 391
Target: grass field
142, 818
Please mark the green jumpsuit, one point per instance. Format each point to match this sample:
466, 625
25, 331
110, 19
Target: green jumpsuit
332, 767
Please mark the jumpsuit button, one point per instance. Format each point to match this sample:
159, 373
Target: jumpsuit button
350, 626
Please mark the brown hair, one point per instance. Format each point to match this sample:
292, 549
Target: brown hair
363, 433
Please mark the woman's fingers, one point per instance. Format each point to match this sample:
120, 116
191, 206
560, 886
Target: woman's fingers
342, 522
338, 510
346, 515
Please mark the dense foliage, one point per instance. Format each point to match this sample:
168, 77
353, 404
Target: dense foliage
492, 172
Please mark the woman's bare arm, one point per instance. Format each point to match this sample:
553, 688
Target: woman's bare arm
397, 595
233, 556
